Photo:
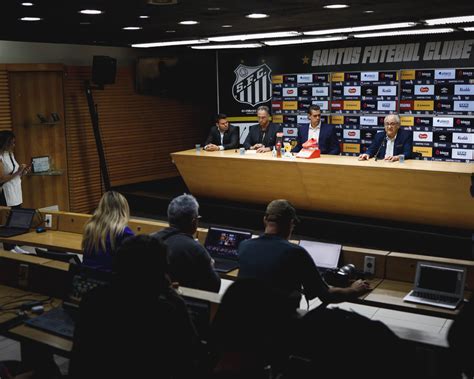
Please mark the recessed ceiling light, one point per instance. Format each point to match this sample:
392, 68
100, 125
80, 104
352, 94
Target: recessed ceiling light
450, 20
171, 43
227, 26
229, 46
469, 29
299, 41
27, 4
214, 9
30, 19
132, 28
143, 16
84, 23
189, 22
257, 15
244, 37
336, 6
90, 11
369, 11
405, 33
170, 31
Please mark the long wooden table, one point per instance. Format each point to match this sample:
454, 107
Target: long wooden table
425, 192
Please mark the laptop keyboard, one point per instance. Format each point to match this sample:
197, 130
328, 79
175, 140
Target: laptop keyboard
436, 297
57, 321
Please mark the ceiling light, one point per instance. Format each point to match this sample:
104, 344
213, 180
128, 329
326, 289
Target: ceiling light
336, 6
90, 11
405, 32
171, 43
84, 23
360, 28
143, 16
369, 11
132, 28
170, 31
30, 19
244, 37
27, 4
449, 20
227, 26
469, 29
302, 40
189, 22
214, 9
257, 15
229, 46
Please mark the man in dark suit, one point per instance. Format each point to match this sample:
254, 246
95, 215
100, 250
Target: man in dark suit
262, 136
223, 136
324, 134
390, 144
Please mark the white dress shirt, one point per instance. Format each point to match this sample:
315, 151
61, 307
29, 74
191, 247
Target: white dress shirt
314, 132
221, 147
390, 146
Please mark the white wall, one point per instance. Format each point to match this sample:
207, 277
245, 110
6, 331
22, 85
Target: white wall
76, 55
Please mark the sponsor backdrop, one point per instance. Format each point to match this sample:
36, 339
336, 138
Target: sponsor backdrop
356, 86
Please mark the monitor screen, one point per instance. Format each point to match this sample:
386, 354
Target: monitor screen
225, 242
439, 279
21, 218
325, 255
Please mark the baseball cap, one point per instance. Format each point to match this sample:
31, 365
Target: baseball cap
281, 210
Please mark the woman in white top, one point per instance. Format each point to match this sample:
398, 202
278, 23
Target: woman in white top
10, 177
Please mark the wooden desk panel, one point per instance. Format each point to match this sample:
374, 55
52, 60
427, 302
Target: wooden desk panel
51, 239
436, 193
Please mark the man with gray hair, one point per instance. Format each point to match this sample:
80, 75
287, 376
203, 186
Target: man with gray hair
262, 136
190, 263
390, 144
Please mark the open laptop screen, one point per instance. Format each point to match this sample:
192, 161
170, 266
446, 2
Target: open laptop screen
223, 243
325, 255
20, 218
439, 278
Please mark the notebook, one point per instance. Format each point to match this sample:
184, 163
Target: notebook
19, 222
325, 255
437, 284
60, 321
222, 245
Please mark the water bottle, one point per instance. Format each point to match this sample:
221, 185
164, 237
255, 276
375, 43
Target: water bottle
274, 152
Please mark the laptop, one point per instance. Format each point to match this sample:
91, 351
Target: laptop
60, 321
58, 256
325, 255
19, 222
437, 284
222, 245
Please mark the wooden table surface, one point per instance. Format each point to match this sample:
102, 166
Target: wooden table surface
425, 192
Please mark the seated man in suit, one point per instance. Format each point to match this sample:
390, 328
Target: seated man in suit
324, 134
262, 136
390, 144
222, 137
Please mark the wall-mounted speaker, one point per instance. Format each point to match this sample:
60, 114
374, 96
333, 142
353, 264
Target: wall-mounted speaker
104, 69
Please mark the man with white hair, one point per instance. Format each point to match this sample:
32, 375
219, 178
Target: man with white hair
190, 262
392, 143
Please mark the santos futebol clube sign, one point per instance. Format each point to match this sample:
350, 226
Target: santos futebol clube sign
253, 85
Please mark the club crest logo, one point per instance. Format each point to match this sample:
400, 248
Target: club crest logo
253, 85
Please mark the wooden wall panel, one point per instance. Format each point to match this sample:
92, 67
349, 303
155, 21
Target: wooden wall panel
33, 92
138, 133
5, 113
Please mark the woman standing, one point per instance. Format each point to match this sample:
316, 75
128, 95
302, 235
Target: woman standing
10, 180
105, 231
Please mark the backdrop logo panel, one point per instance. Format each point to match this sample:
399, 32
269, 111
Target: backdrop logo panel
252, 85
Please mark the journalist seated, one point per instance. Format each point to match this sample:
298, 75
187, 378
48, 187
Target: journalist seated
391, 143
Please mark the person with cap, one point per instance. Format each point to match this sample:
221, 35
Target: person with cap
286, 266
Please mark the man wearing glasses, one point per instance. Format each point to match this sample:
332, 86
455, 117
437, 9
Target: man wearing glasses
390, 144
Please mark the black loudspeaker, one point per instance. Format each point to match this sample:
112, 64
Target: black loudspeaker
103, 69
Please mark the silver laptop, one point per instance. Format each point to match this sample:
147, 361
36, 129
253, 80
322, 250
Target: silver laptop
325, 255
438, 284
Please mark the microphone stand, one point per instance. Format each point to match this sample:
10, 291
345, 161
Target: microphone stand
380, 147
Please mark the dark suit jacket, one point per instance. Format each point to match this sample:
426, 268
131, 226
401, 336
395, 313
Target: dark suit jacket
231, 137
403, 144
255, 136
328, 142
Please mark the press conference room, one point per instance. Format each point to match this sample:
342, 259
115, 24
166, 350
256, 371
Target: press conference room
301, 174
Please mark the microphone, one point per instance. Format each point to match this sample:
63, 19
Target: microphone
380, 147
241, 134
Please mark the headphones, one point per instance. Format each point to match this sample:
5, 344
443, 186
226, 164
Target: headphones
340, 277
